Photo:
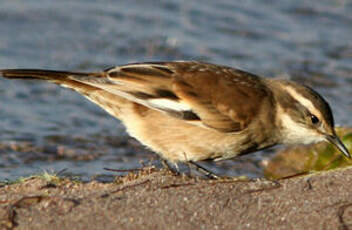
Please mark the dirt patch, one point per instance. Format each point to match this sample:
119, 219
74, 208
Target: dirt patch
157, 199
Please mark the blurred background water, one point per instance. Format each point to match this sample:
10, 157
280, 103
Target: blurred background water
45, 127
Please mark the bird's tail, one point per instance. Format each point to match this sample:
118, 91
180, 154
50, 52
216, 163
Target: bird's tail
41, 74
63, 78
73, 80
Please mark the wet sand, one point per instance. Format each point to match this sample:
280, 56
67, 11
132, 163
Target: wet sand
157, 199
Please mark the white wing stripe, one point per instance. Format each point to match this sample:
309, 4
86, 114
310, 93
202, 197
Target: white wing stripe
167, 104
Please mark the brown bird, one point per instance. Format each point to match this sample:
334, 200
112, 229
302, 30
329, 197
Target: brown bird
189, 111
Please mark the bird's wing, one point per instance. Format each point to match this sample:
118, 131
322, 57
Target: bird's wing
213, 96
216, 97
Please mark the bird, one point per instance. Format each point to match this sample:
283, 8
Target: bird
191, 111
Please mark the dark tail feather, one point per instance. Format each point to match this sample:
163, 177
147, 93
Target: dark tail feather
40, 74
62, 78
110, 102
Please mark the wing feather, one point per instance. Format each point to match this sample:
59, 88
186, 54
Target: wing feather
219, 97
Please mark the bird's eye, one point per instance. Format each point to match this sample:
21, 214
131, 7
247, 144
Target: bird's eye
314, 119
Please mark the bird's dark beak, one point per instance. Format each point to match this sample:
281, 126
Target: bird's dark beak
335, 140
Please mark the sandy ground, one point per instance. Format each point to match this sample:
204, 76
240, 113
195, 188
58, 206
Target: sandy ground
157, 199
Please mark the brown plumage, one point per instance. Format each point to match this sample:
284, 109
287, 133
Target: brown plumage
191, 111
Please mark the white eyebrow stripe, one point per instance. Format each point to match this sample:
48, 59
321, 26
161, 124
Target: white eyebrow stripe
304, 101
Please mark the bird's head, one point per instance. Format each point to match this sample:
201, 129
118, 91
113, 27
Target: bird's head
304, 116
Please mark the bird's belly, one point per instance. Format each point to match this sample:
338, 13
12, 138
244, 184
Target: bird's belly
178, 141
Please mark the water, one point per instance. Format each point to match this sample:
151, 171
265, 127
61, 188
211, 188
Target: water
45, 127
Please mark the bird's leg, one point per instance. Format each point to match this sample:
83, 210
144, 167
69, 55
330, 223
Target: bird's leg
167, 165
203, 170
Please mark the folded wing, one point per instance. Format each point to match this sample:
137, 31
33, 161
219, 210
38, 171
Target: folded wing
213, 96
216, 97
